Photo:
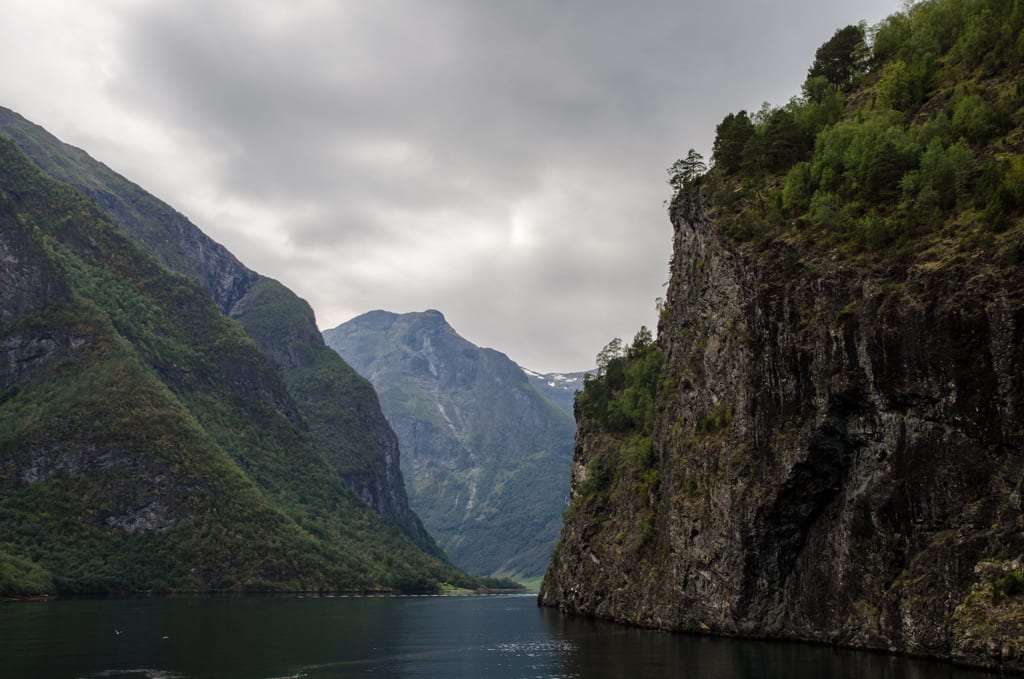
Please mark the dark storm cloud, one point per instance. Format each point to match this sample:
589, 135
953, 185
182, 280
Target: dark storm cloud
501, 161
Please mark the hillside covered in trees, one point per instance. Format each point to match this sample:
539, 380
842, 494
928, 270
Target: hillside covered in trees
905, 135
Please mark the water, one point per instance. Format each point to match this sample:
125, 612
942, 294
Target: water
492, 636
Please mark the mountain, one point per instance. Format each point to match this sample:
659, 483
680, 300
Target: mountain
825, 441
351, 427
559, 388
484, 453
150, 441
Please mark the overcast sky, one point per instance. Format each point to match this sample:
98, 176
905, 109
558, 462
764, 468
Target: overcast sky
501, 161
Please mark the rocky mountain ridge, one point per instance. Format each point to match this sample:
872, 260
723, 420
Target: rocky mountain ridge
484, 453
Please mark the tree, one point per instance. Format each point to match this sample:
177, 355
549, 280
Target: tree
643, 339
797, 191
817, 89
842, 58
611, 351
974, 118
785, 144
890, 36
685, 170
731, 136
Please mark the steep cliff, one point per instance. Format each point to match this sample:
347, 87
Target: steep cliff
28, 280
836, 445
482, 449
837, 461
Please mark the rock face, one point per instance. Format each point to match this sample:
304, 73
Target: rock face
840, 459
484, 453
28, 279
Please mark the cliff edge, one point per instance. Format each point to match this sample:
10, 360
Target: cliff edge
825, 442
838, 460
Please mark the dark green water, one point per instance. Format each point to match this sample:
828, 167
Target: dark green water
493, 636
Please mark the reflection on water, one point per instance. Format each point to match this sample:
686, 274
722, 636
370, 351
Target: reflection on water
604, 650
221, 637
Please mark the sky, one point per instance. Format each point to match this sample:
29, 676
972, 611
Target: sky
502, 162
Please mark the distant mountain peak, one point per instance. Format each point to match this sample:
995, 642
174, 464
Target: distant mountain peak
559, 388
477, 435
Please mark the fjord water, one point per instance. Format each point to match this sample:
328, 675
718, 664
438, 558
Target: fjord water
470, 636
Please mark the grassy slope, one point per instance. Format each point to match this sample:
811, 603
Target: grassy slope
328, 390
169, 375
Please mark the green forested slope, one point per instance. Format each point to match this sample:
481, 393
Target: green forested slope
160, 229
905, 146
145, 441
339, 405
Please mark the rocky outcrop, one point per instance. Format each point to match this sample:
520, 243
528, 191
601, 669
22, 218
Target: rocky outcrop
28, 281
175, 241
27, 278
840, 456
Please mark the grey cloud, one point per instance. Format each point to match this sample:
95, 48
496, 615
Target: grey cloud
359, 124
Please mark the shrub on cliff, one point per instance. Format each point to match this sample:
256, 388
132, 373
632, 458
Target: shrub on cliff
620, 398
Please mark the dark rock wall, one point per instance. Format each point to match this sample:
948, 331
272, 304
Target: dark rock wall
28, 281
175, 241
865, 489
